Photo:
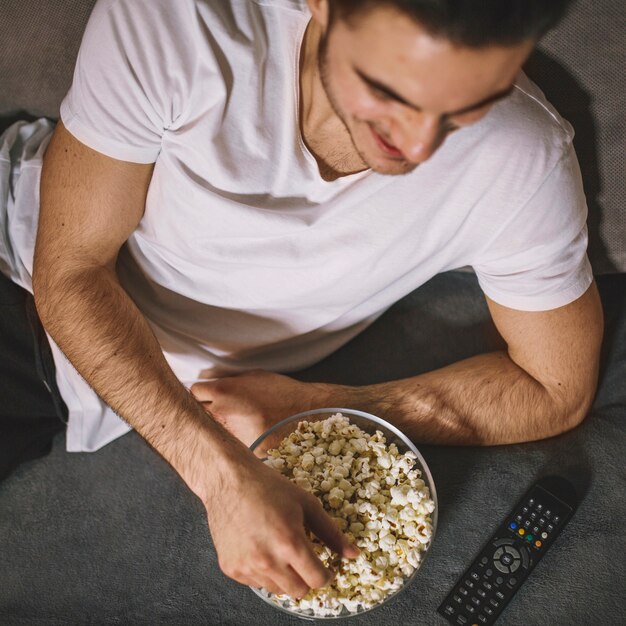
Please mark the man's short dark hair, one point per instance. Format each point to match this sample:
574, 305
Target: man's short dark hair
470, 23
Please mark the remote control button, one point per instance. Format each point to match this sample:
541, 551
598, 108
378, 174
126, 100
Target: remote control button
544, 535
556, 519
518, 518
488, 610
484, 560
494, 603
512, 551
548, 513
489, 572
449, 609
525, 510
506, 559
498, 553
521, 531
487, 586
463, 590
468, 583
503, 542
529, 537
550, 528
458, 599
538, 543
536, 530
475, 576
476, 601
542, 521
499, 580
461, 619
533, 516
539, 507
512, 525
502, 568
531, 501
481, 593
527, 524
512, 581
515, 565
483, 619
499, 595
469, 608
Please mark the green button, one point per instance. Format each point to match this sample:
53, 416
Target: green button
529, 537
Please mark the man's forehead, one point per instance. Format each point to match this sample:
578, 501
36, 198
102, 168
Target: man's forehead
390, 52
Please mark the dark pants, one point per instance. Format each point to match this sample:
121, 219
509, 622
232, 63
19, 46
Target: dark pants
31, 408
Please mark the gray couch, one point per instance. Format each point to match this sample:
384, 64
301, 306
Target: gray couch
114, 537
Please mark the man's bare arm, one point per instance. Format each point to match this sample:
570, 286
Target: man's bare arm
541, 386
90, 204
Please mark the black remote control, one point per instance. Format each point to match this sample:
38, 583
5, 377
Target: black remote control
504, 563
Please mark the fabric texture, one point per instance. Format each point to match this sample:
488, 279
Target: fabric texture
31, 409
580, 68
115, 537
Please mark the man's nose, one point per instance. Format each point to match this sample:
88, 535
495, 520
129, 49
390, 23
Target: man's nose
417, 136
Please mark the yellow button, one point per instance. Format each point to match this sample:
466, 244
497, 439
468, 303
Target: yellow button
521, 531
538, 544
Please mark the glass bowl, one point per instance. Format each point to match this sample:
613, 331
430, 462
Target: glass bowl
370, 424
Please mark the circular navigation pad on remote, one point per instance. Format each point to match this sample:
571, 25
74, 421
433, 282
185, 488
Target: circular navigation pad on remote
506, 559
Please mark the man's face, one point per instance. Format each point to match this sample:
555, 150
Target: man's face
400, 92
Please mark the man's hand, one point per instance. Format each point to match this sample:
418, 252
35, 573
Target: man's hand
258, 520
248, 404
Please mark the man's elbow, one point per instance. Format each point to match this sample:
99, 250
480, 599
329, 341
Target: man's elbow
573, 413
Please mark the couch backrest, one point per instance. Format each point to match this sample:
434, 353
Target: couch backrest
579, 66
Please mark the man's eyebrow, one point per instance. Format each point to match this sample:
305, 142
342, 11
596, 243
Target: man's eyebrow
499, 95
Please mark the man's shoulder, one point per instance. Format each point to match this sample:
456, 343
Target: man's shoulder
240, 20
219, 7
518, 143
527, 122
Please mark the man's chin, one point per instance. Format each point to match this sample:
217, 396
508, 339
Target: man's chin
391, 167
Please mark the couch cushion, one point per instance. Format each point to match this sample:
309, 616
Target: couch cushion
580, 68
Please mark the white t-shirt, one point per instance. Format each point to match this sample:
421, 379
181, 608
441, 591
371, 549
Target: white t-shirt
245, 257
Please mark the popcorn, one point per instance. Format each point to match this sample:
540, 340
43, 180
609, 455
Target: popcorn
377, 498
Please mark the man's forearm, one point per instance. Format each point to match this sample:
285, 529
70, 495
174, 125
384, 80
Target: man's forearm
484, 400
108, 340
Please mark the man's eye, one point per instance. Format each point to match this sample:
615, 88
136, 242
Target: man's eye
379, 93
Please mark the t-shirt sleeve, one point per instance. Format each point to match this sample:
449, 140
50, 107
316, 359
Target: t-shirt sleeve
538, 259
130, 79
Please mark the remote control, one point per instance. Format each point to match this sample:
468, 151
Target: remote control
484, 590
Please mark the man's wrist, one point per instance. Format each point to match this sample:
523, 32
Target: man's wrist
362, 398
199, 449
402, 404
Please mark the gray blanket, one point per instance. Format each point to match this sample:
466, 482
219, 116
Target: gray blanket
115, 537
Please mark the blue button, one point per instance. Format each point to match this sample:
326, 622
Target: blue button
513, 525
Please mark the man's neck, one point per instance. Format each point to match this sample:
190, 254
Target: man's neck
322, 130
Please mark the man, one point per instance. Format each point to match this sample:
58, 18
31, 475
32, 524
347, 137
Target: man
246, 185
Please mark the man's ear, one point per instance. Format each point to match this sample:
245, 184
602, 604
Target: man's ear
320, 12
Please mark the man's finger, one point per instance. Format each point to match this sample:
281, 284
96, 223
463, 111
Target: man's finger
201, 391
326, 530
309, 566
288, 579
269, 584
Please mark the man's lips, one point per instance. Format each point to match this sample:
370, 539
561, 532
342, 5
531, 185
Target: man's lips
384, 146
